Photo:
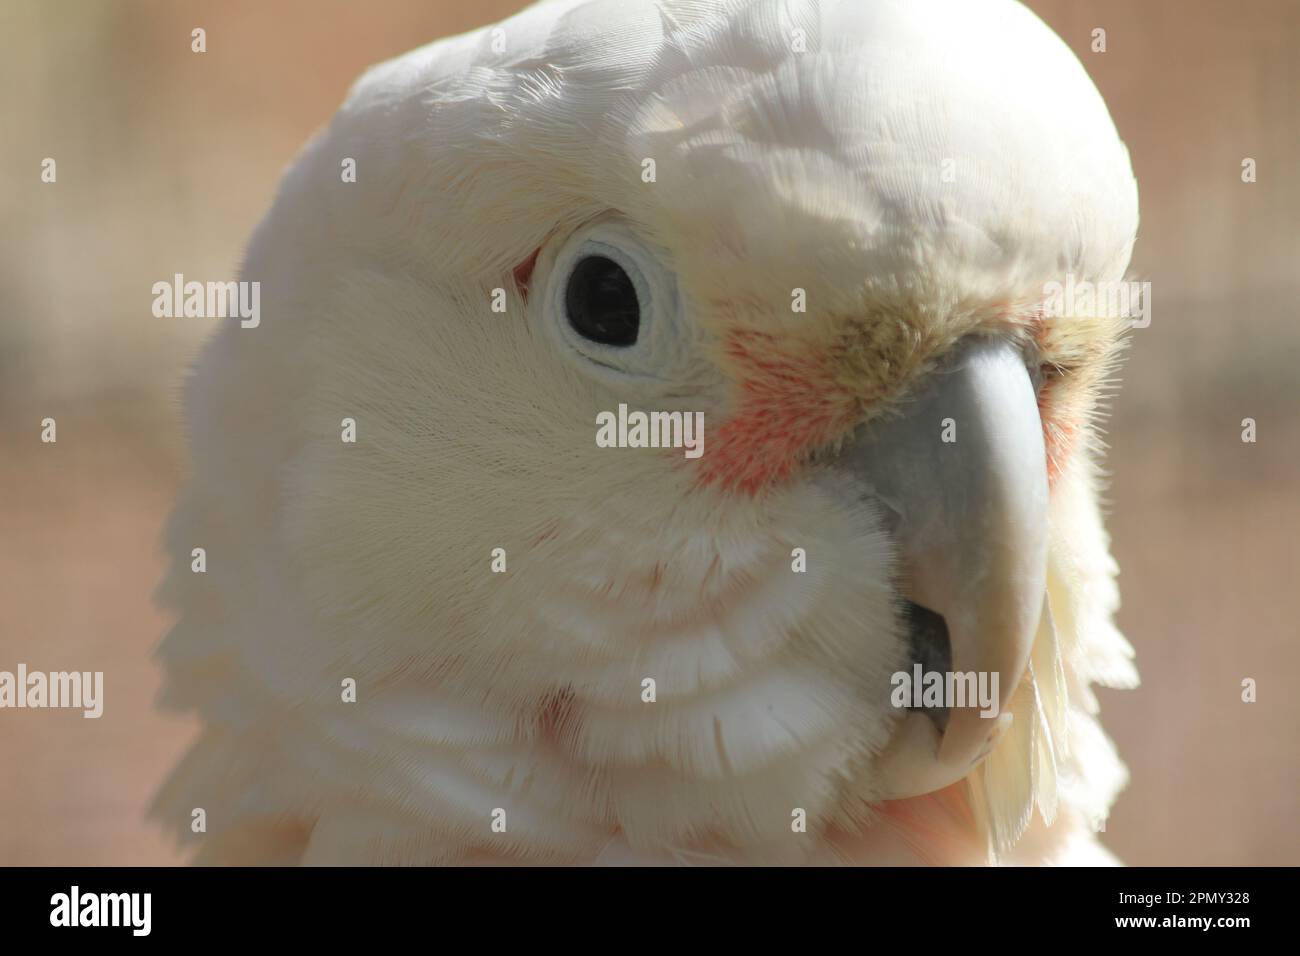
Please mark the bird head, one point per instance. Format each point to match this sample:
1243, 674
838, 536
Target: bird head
825, 227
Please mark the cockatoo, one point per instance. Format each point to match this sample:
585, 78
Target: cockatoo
438, 622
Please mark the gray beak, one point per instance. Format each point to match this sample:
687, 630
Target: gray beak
969, 518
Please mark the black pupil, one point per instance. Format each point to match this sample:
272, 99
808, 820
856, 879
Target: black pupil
601, 302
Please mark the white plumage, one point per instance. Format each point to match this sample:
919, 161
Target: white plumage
919, 169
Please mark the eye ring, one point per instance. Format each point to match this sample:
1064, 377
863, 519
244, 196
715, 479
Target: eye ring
607, 343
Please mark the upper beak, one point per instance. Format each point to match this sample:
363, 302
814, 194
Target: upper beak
969, 517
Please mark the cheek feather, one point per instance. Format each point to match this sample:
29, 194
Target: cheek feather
789, 405
1059, 432
1059, 414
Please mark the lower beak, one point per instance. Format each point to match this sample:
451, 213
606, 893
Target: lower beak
961, 477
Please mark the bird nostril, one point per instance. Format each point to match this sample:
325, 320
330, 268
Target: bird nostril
931, 651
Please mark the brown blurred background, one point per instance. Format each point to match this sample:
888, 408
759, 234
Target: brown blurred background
166, 159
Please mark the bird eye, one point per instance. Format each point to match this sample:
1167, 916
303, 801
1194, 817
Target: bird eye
600, 302
611, 300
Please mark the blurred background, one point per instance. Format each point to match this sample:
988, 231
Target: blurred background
166, 160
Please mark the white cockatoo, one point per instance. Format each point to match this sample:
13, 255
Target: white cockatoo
439, 622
